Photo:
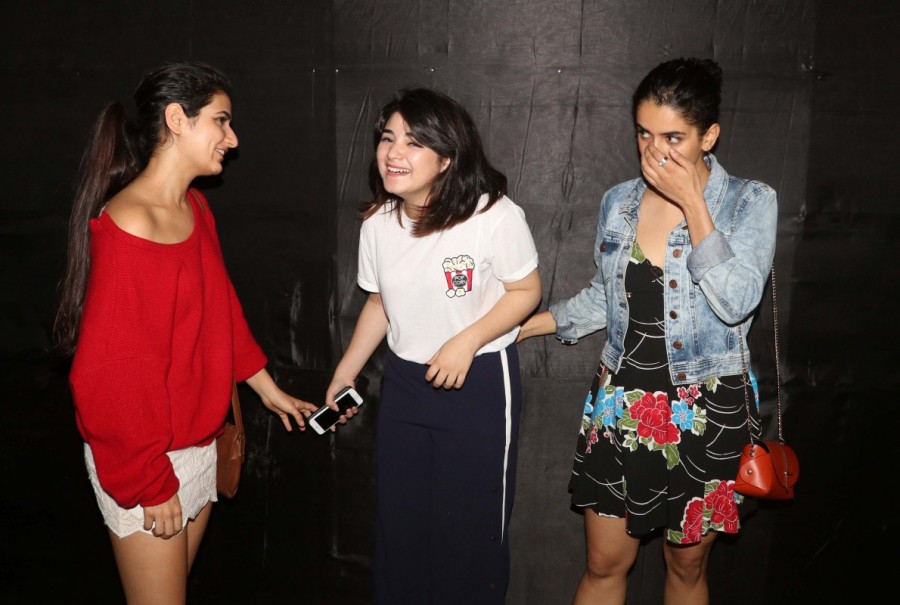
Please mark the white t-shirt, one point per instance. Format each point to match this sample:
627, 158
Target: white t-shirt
435, 286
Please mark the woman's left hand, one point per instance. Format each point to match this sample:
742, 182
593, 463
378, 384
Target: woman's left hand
287, 407
677, 179
279, 402
450, 365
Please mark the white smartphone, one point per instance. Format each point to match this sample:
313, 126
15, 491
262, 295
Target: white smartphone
324, 418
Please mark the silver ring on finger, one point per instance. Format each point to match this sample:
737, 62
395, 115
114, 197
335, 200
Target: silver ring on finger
662, 161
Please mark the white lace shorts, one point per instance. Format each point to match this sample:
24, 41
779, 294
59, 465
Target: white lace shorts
195, 468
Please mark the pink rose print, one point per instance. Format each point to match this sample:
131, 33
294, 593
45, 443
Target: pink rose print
724, 508
653, 415
592, 438
692, 523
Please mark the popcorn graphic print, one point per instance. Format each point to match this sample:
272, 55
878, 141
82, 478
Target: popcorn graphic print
458, 272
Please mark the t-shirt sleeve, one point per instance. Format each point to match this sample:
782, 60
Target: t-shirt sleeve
367, 276
514, 252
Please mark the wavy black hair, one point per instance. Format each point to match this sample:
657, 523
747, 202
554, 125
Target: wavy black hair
443, 125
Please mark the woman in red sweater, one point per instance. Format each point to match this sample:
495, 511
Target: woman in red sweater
156, 329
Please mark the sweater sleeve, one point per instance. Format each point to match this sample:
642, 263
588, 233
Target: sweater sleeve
119, 373
248, 356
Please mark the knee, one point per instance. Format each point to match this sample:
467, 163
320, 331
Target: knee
687, 565
600, 567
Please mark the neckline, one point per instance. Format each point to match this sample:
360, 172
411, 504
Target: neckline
117, 232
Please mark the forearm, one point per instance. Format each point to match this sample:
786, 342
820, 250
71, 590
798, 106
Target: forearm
538, 325
699, 222
371, 328
513, 307
263, 383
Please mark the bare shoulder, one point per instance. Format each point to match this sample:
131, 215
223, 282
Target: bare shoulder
131, 213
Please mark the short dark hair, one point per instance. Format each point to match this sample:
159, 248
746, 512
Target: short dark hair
693, 87
443, 125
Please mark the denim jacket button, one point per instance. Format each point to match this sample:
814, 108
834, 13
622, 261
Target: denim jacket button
677, 344
676, 252
673, 283
673, 314
603, 247
681, 376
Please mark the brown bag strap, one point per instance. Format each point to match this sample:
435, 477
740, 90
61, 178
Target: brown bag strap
236, 408
746, 377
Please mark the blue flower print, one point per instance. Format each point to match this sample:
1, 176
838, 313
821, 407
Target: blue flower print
755, 387
620, 401
608, 410
682, 415
588, 408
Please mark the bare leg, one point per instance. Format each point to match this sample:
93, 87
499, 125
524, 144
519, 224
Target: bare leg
154, 571
686, 580
195, 530
610, 554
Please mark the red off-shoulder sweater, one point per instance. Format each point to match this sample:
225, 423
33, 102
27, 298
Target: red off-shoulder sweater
162, 336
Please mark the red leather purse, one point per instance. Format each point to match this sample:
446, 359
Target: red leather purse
768, 468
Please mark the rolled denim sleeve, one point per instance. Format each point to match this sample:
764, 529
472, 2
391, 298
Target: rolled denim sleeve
731, 270
585, 312
712, 251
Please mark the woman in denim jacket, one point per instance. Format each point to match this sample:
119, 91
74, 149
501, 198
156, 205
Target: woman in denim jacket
682, 256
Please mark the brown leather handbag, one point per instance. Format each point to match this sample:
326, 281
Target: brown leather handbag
768, 468
230, 447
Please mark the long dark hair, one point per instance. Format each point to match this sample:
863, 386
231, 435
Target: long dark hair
118, 150
692, 87
443, 125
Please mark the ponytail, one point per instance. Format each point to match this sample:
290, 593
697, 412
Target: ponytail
117, 152
108, 164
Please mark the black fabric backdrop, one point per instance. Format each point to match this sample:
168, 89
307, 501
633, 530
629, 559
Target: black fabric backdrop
809, 103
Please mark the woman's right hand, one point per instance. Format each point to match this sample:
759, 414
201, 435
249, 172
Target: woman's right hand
164, 520
338, 383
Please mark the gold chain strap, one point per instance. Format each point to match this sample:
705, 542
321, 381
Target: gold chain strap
746, 376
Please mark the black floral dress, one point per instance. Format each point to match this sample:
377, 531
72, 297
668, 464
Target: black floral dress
660, 455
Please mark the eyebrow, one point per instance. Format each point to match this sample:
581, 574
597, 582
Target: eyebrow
637, 124
389, 131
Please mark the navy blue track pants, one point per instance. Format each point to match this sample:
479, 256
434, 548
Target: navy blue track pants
445, 478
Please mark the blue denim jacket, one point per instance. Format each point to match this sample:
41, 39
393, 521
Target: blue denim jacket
711, 290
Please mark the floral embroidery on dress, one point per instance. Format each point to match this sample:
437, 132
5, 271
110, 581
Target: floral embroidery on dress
658, 454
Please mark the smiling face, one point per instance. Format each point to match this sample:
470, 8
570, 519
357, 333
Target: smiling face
407, 168
665, 128
209, 135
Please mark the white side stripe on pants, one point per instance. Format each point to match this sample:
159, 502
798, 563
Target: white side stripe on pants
507, 389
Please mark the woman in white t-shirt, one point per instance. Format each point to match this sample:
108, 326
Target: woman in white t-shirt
451, 270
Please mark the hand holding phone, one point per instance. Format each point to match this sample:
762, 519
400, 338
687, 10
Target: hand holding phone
325, 417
